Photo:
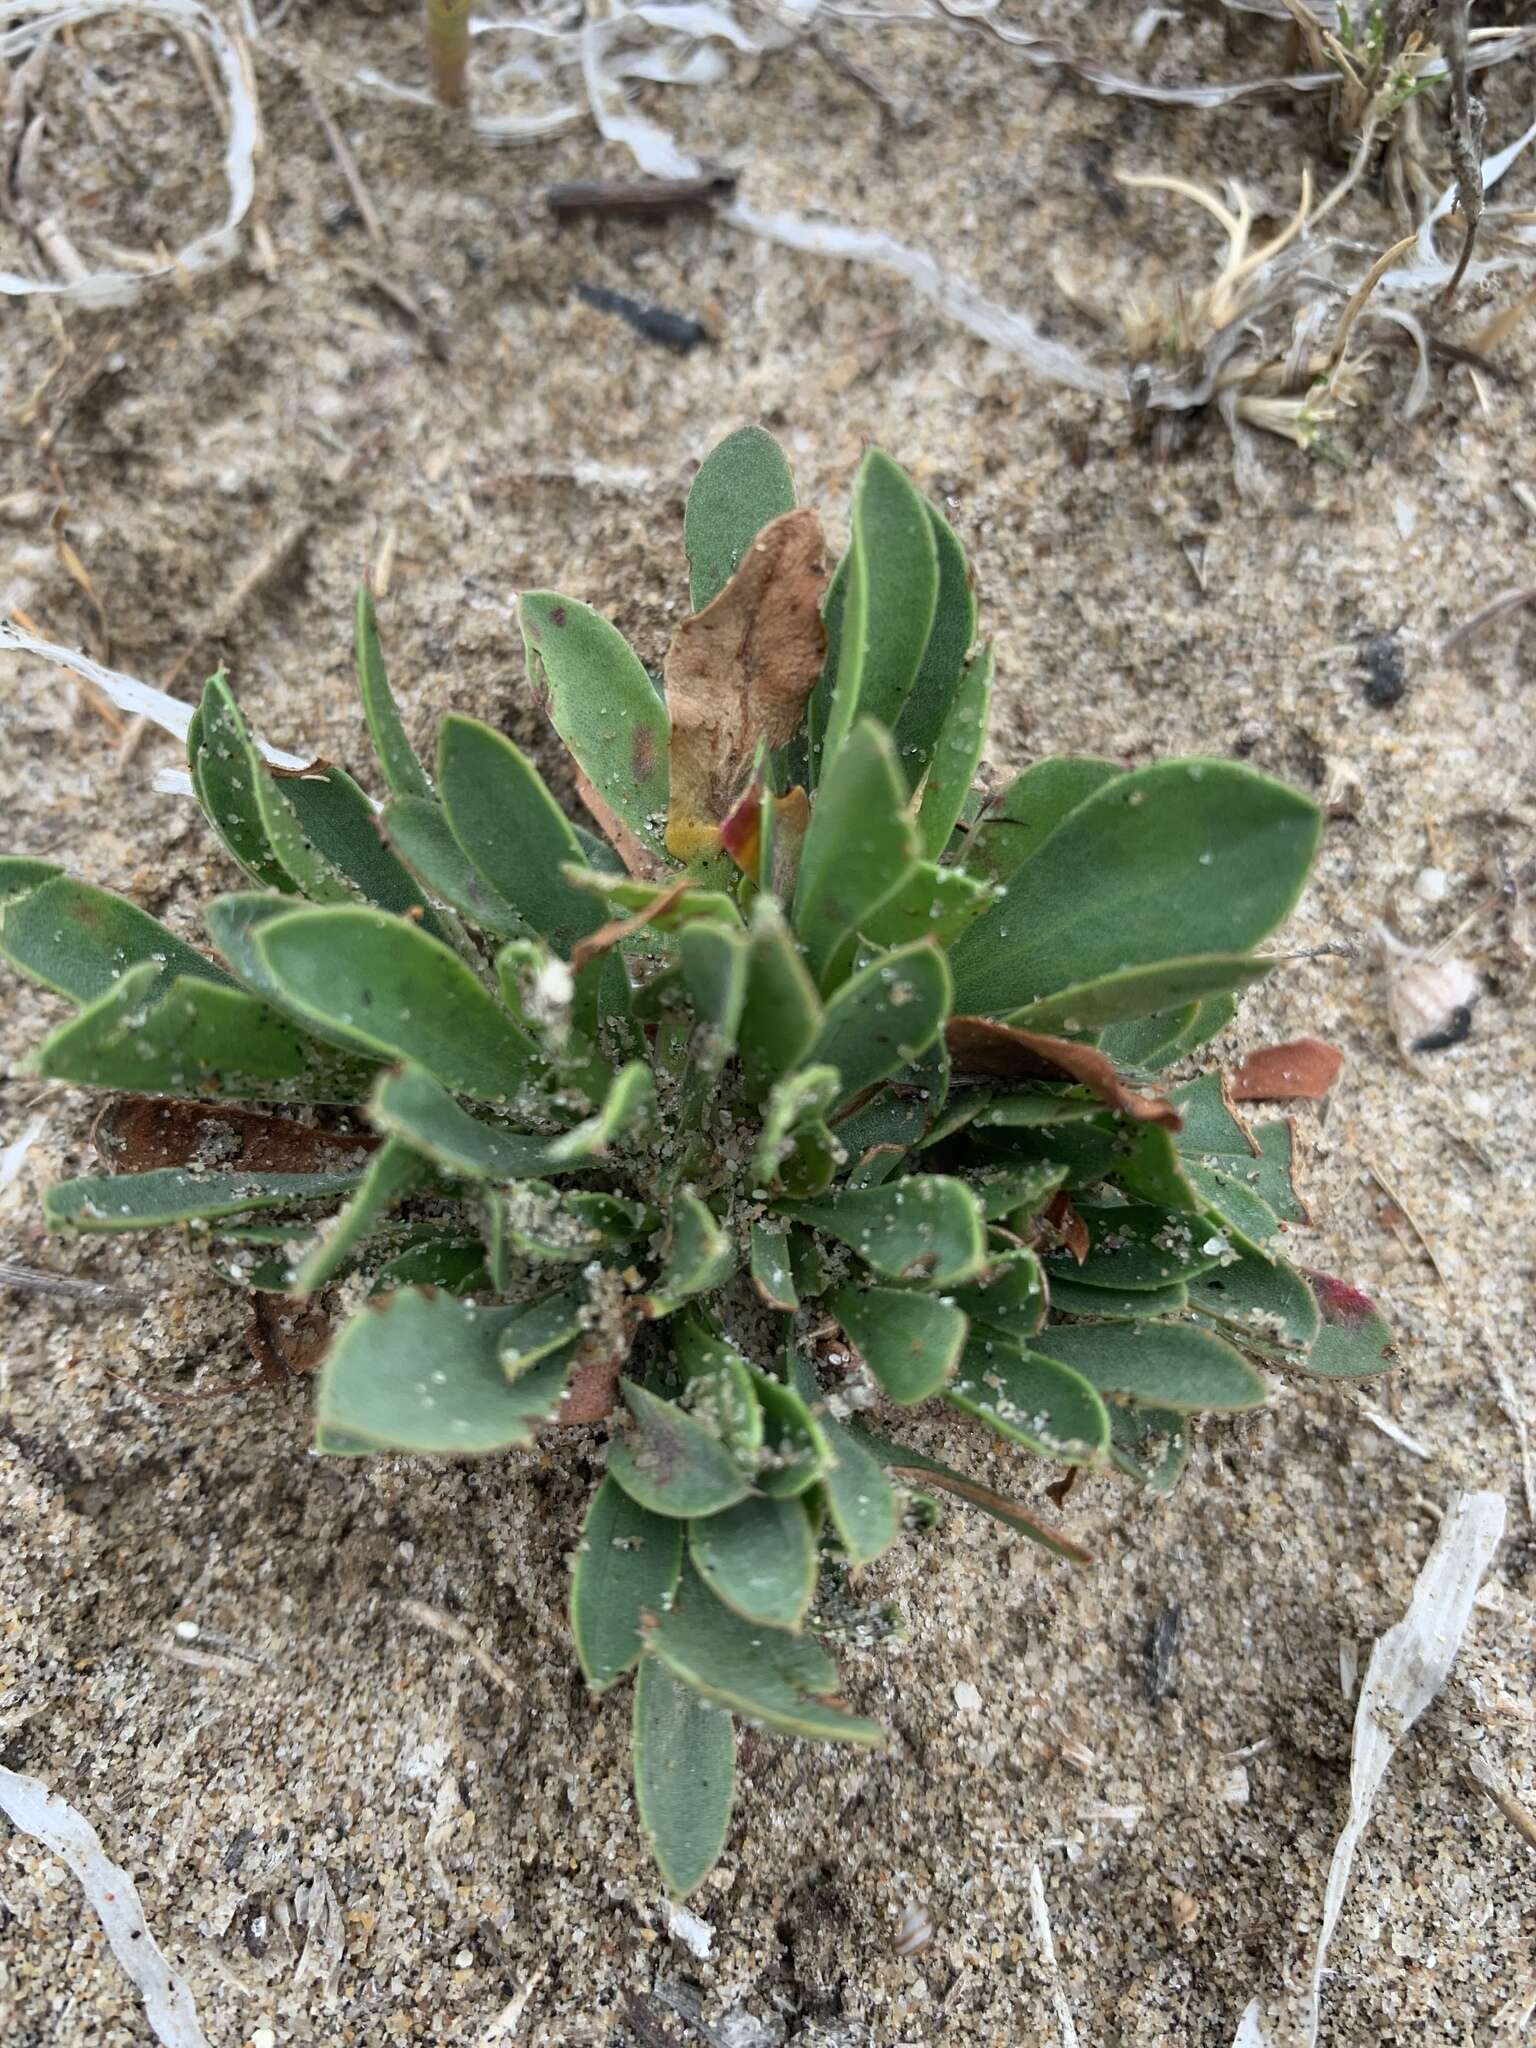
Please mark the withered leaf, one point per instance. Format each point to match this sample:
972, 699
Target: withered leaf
980, 1047
140, 1133
1069, 1226
739, 672
1302, 1070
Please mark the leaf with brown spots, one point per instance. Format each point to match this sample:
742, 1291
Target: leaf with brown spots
140, 1133
981, 1048
738, 674
637, 857
1301, 1070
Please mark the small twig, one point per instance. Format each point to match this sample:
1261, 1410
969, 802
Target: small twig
855, 74
1519, 1816
65, 1287
346, 163
1466, 137
1358, 297
1499, 607
448, 1625
1410, 1219
1509, 1401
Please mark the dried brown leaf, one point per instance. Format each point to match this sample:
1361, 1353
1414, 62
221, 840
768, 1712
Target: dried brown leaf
980, 1047
1300, 1070
739, 672
1069, 1226
138, 1133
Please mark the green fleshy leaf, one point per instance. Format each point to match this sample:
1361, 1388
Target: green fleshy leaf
627, 1565
625, 896
766, 1674
1084, 1151
341, 834
79, 941
393, 1172
741, 485
956, 756
925, 1227
797, 1104
859, 1498
795, 1452
953, 633
536, 1330
226, 766
907, 1463
1233, 1201
717, 1384
684, 1766
1030, 809
627, 1108
772, 1273
1146, 1044
1150, 1166
933, 903
1274, 1174
456, 1264
857, 852
1136, 1245
1013, 1190
807, 1265
195, 1039
603, 705
884, 1017
714, 963
1035, 1110
403, 993
420, 833
512, 831
1211, 1018
1141, 992
173, 1194
1264, 1303
887, 609
782, 1014
1211, 1124
234, 923
570, 1226
1031, 1398
421, 1371
910, 1342
671, 1462
1168, 1365
1202, 856
1070, 1297
1354, 1339
20, 875
759, 1558
1009, 1297
1149, 1445
411, 1105
403, 772
698, 1256
684, 1759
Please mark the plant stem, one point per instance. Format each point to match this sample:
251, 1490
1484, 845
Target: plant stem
448, 50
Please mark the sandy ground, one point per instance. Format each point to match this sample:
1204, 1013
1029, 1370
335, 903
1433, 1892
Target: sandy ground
208, 1639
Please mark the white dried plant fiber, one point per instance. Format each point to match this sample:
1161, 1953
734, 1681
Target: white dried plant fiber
23, 24
1408, 1666
50, 1819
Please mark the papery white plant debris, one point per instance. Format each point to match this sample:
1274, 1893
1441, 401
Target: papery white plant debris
25, 23
50, 1819
1408, 1666
1039, 1913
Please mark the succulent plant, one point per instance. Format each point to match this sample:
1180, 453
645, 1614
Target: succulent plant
813, 1086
